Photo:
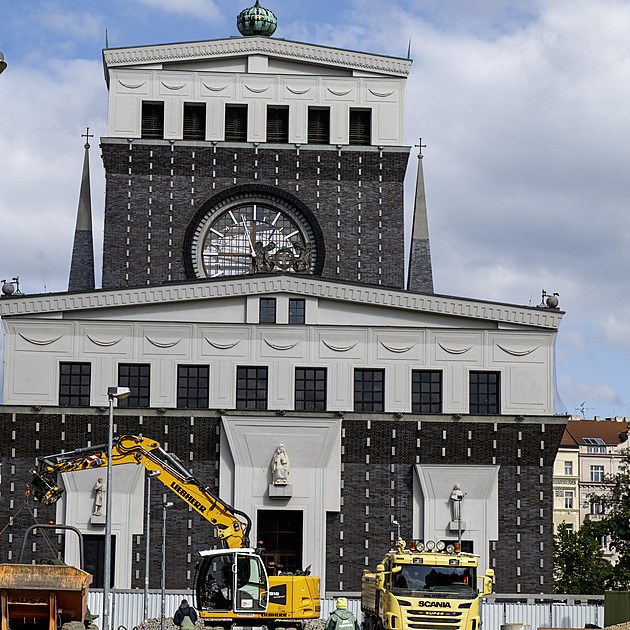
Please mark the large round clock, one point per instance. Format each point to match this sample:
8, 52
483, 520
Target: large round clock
253, 231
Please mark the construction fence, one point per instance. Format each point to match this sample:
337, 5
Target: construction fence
127, 609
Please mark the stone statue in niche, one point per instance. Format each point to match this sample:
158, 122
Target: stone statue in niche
280, 466
99, 493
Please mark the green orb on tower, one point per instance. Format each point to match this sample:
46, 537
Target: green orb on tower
256, 21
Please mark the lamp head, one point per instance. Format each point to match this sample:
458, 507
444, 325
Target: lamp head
3, 63
118, 392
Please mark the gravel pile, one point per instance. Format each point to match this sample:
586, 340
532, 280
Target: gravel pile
156, 624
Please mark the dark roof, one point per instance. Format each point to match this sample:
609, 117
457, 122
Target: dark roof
610, 431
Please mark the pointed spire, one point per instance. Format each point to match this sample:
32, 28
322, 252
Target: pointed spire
82, 265
420, 276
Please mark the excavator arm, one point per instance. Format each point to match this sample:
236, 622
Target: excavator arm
233, 526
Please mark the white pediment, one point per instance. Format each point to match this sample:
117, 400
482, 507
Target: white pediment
196, 54
218, 300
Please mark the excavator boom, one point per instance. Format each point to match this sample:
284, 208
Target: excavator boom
132, 449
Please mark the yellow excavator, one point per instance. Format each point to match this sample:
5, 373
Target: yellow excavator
232, 588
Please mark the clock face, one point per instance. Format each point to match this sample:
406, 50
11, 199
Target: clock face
252, 238
253, 228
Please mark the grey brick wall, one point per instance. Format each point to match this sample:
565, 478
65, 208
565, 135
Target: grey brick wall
153, 191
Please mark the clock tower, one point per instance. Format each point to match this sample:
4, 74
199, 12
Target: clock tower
253, 155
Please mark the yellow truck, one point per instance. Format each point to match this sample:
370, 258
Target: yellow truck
46, 596
426, 587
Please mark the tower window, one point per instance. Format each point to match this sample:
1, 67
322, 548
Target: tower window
278, 124
251, 388
194, 121
318, 125
267, 313
236, 123
137, 378
74, 384
152, 120
369, 390
484, 393
426, 391
360, 126
297, 311
310, 389
192, 386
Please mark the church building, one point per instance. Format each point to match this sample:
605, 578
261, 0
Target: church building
254, 295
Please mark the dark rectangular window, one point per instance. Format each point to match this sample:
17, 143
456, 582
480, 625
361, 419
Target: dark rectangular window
192, 386
484, 393
278, 124
236, 123
137, 377
360, 126
318, 126
426, 391
74, 384
194, 121
152, 120
310, 389
267, 314
297, 311
369, 390
251, 388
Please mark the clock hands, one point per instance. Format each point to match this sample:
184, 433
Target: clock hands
249, 237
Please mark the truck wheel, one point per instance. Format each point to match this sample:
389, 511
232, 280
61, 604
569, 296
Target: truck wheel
73, 625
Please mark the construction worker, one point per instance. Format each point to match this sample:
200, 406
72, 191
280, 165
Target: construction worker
341, 618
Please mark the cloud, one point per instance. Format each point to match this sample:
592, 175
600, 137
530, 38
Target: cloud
73, 24
41, 162
591, 392
201, 9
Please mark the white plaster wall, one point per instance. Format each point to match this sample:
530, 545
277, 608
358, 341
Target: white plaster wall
314, 450
34, 349
433, 511
130, 86
77, 505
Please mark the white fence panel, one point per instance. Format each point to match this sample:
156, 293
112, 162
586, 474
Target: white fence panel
544, 615
128, 610
128, 606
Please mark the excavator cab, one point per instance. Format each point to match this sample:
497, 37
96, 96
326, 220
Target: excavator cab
231, 580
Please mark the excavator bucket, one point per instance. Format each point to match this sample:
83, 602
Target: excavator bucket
44, 488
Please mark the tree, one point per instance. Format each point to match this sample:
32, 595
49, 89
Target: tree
579, 564
615, 524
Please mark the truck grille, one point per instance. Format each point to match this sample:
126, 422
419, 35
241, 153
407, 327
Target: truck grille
433, 619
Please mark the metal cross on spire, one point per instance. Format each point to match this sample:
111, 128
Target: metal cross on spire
87, 135
420, 145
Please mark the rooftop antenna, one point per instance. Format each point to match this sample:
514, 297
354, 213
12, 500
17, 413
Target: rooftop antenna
106, 42
582, 409
409, 49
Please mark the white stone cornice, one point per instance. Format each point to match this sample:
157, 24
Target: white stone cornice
506, 314
237, 46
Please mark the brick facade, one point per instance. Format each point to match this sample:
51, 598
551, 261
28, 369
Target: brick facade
154, 190
378, 459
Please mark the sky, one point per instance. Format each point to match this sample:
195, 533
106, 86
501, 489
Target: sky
524, 107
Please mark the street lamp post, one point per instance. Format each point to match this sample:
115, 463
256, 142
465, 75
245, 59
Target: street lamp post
150, 474
119, 393
165, 506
